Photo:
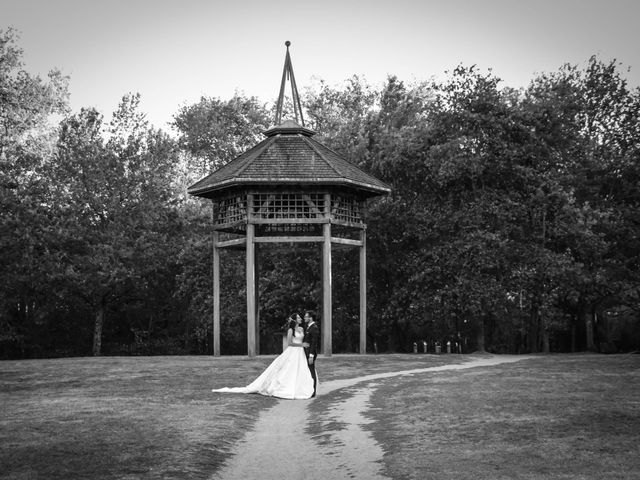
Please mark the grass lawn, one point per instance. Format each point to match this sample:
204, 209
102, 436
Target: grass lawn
564, 416
137, 417
551, 417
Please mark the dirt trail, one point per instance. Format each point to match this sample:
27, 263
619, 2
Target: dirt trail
267, 452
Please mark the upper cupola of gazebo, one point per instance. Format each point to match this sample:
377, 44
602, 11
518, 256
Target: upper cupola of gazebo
289, 127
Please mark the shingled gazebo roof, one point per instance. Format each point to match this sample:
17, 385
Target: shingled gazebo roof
289, 157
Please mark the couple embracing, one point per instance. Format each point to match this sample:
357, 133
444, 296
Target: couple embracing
292, 374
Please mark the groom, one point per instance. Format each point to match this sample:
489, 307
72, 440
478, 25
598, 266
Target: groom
311, 344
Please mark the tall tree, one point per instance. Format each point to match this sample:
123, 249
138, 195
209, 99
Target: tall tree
28, 108
585, 121
115, 195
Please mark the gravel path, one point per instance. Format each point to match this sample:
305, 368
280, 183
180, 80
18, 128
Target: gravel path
269, 450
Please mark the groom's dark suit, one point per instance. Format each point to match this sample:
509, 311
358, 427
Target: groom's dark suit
312, 337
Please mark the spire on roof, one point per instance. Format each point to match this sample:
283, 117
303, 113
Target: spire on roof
287, 74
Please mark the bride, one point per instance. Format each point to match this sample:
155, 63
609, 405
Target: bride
288, 376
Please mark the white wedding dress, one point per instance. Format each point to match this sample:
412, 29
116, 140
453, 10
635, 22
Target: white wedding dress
288, 375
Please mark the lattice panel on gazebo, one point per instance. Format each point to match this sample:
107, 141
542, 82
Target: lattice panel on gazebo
288, 206
347, 209
231, 211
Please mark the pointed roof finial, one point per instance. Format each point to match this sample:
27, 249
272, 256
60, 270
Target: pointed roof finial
287, 73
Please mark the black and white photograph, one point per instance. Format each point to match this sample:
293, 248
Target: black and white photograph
349, 239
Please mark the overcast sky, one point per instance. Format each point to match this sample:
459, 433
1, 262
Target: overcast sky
174, 52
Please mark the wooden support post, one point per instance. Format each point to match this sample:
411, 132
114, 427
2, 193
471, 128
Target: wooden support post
363, 291
216, 295
256, 269
325, 324
251, 283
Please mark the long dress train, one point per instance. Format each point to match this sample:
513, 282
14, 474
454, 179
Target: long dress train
287, 376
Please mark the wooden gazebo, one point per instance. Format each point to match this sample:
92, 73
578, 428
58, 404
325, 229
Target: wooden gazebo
289, 188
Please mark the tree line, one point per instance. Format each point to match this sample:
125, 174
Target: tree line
513, 224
